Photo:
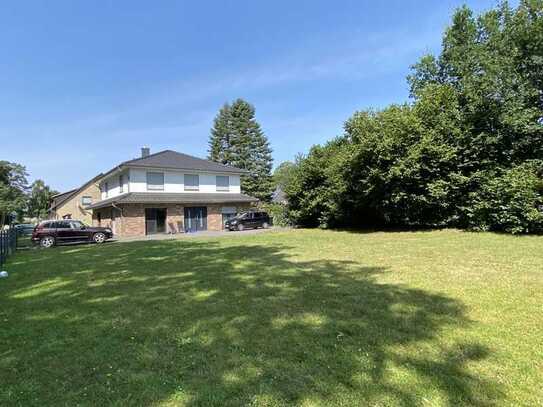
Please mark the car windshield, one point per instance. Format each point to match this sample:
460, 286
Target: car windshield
240, 216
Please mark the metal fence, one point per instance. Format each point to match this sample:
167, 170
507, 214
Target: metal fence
8, 244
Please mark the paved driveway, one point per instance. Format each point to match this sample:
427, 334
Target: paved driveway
207, 233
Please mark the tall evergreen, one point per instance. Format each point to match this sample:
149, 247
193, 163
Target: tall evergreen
219, 141
237, 139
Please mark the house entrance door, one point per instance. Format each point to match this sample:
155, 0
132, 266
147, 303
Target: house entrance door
195, 218
155, 220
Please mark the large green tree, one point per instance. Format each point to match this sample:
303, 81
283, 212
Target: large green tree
466, 151
13, 189
39, 199
237, 139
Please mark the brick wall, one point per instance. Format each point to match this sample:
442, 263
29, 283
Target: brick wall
73, 207
133, 220
214, 217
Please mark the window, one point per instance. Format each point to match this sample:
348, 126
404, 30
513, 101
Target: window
223, 183
155, 181
77, 225
61, 225
86, 200
192, 182
121, 183
106, 188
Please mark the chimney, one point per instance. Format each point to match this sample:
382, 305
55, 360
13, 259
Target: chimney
145, 151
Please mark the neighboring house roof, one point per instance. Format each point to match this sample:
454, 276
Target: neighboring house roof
59, 199
173, 198
178, 161
278, 196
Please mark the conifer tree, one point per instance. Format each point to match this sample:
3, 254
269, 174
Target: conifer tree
238, 140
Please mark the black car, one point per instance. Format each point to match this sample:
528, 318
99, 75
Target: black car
51, 232
248, 220
24, 229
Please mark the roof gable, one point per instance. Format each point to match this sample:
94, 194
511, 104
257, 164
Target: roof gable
60, 199
174, 160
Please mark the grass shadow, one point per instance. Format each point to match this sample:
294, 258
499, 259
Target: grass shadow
212, 322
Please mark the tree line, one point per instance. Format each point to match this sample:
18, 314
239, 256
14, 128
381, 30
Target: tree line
466, 151
18, 199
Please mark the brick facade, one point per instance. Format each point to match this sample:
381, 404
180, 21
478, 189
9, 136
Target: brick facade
73, 207
131, 222
214, 217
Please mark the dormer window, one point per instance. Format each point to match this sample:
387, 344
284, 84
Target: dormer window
155, 181
192, 182
223, 183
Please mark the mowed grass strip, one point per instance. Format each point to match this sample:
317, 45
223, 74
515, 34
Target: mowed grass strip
303, 317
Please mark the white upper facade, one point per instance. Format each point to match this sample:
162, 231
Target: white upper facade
155, 180
170, 172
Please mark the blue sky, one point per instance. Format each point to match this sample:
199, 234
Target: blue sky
85, 84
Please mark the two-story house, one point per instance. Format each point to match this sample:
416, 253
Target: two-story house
168, 192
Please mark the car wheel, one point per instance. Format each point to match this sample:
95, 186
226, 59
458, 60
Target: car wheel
265, 225
241, 227
47, 241
99, 238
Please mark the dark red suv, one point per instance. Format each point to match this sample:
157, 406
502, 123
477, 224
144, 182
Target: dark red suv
51, 232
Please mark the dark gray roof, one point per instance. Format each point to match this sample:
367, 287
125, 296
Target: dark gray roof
160, 198
58, 199
180, 161
59, 195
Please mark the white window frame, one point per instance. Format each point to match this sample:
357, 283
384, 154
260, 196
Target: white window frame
83, 200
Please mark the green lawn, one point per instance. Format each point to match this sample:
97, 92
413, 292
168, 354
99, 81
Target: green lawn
305, 317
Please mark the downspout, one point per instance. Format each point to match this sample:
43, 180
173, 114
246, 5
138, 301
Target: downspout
116, 207
121, 211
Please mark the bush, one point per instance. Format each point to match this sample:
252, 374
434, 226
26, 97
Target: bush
464, 153
279, 214
510, 201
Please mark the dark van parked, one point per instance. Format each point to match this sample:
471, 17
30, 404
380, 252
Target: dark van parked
248, 220
51, 232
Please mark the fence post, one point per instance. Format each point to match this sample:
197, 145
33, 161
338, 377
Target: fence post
1, 248
8, 244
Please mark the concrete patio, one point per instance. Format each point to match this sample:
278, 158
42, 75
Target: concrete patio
207, 233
